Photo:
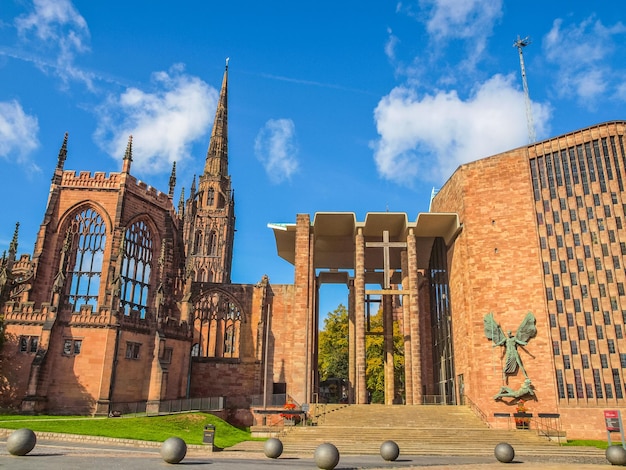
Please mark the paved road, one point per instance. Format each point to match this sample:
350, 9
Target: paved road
85, 456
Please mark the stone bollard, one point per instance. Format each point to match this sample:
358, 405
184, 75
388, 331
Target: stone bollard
616, 455
273, 448
326, 456
21, 442
389, 450
504, 452
173, 450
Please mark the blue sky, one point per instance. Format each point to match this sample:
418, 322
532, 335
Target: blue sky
333, 105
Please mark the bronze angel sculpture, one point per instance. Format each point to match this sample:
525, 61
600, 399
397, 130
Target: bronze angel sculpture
525, 332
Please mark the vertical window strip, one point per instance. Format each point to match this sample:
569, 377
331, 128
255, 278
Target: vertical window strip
618, 384
566, 175
557, 168
605, 154
582, 169
542, 172
535, 179
598, 156
573, 166
550, 176
597, 383
579, 384
590, 165
615, 152
559, 383
618, 173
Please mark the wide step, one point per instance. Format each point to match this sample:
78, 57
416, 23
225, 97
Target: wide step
417, 429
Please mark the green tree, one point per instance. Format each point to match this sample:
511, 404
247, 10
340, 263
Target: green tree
333, 352
333, 345
375, 368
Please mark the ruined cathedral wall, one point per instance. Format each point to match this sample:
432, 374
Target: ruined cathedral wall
177, 368
236, 378
73, 378
286, 356
75, 194
15, 363
135, 354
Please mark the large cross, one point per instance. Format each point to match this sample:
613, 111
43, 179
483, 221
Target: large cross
385, 245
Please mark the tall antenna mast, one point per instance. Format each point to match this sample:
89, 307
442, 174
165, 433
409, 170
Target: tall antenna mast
520, 44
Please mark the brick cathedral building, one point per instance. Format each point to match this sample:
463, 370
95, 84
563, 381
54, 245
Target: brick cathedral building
127, 296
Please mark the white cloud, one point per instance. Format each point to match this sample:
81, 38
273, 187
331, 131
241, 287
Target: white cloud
583, 52
468, 20
57, 25
465, 19
390, 46
463, 25
429, 137
18, 133
621, 91
276, 149
163, 122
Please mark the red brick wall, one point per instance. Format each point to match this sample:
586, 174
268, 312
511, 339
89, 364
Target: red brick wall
234, 380
15, 366
495, 267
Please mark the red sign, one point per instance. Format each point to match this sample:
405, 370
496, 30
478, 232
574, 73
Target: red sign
613, 420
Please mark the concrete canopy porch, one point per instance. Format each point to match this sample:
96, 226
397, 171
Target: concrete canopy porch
382, 256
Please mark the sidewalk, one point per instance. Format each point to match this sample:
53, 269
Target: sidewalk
49, 454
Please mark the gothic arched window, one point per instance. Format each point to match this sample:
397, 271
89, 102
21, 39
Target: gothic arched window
217, 325
136, 268
210, 199
212, 243
229, 341
87, 234
197, 241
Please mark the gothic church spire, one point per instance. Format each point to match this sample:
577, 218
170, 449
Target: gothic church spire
128, 155
62, 153
217, 155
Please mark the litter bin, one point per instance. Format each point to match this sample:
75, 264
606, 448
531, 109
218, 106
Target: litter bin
209, 434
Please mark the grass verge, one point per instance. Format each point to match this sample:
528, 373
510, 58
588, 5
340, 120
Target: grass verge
187, 426
588, 443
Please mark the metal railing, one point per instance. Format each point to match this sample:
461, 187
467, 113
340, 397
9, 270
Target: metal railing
278, 399
145, 408
433, 400
191, 404
477, 411
549, 426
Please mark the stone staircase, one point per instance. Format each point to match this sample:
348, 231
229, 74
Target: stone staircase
418, 430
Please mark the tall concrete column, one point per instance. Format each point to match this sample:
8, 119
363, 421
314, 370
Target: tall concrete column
298, 324
416, 359
406, 332
359, 310
390, 389
351, 343
311, 327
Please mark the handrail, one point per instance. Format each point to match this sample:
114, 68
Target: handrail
477, 411
547, 422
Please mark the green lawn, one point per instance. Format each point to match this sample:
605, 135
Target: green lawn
188, 426
589, 443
